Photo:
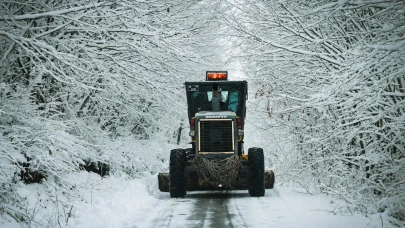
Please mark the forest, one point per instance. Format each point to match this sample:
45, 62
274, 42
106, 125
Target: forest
328, 77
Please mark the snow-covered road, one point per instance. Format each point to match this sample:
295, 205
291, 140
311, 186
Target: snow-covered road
280, 207
201, 209
114, 202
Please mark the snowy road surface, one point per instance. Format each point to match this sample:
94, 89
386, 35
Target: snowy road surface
121, 203
238, 209
116, 202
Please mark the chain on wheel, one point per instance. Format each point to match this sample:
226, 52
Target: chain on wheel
217, 172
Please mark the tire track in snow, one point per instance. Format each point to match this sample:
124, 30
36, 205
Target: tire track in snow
165, 214
212, 209
224, 209
287, 205
202, 209
250, 211
199, 212
219, 212
229, 215
240, 215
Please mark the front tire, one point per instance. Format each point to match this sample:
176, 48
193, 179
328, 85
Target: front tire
256, 171
177, 173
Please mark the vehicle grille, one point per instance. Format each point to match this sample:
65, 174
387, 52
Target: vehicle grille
216, 135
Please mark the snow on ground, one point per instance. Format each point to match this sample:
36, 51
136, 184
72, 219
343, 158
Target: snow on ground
119, 201
116, 202
113, 204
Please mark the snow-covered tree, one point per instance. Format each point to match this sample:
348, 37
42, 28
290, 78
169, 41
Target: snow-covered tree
75, 74
331, 73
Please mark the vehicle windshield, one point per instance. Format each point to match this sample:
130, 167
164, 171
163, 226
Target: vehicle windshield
231, 97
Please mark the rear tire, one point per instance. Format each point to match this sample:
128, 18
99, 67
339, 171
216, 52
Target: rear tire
256, 171
177, 173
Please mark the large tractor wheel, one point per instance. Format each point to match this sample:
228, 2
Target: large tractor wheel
177, 173
256, 171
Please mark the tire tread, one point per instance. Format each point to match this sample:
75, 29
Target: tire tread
256, 171
177, 184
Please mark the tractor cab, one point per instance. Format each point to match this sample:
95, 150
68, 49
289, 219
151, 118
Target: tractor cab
216, 113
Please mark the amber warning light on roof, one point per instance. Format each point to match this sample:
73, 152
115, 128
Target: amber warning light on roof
217, 75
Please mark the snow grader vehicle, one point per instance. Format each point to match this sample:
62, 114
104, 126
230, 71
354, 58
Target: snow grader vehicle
216, 159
